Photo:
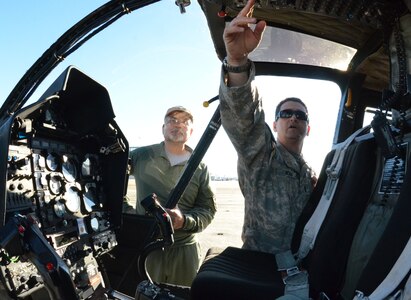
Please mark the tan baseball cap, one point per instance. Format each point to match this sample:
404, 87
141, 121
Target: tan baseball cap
181, 109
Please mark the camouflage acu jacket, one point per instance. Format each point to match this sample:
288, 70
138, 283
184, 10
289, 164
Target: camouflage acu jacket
275, 183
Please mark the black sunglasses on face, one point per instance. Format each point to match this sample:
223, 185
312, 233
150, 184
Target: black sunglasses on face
288, 113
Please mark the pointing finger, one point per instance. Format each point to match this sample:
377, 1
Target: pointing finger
247, 10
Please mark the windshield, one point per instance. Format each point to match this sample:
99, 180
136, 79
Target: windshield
322, 99
149, 66
280, 45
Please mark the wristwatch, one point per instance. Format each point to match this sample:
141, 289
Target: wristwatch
237, 69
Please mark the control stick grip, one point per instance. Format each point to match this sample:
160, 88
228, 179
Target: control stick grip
153, 207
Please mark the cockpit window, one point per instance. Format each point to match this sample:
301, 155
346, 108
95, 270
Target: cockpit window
323, 101
280, 45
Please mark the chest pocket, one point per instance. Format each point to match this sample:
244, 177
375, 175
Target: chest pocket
291, 185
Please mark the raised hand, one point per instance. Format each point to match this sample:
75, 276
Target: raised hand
239, 38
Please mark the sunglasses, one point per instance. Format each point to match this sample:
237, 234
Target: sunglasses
288, 113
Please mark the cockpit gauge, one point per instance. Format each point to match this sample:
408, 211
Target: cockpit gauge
41, 180
59, 209
52, 161
89, 198
94, 224
69, 169
55, 184
72, 198
41, 162
89, 166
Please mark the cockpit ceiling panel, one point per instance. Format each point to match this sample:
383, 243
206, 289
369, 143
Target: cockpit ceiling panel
361, 25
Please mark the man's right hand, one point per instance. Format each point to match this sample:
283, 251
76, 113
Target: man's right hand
239, 38
177, 217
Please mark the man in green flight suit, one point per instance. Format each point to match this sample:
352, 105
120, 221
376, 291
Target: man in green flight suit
156, 169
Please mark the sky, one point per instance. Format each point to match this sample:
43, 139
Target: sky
150, 60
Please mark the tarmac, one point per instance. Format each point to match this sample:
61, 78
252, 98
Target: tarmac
225, 230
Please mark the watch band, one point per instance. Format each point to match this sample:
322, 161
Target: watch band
236, 69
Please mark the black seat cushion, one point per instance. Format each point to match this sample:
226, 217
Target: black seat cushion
237, 274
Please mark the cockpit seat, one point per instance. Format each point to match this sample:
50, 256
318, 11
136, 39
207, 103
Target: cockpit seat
326, 262
234, 273
243, 274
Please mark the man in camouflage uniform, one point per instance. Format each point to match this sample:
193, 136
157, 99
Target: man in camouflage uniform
273, 176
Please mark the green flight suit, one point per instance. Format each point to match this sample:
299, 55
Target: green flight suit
153, 173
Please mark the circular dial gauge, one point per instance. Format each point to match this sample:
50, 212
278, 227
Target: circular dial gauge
94, 224
72, 198
41, 161
55, 185
89, 166
89, 198
59, 209
69, 169
52, 161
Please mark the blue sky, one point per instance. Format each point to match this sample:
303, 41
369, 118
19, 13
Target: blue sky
149, 60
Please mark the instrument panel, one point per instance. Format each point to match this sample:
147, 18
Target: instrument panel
66, 169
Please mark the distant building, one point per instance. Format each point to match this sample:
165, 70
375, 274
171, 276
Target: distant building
223, 178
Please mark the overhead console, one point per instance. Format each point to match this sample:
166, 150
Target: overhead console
66, 178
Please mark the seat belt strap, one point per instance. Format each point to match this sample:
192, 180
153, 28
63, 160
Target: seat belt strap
295, 280
398, 272
313, 225
407, 289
